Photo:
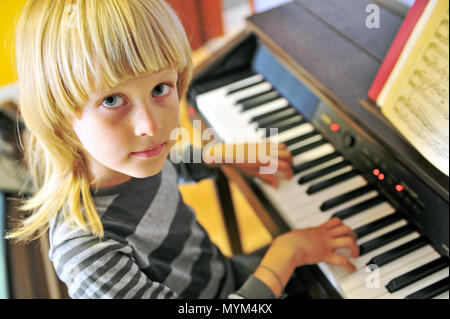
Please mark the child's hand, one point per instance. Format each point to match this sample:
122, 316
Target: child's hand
318, 244
281, 159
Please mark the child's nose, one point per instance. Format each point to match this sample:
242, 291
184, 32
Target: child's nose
147, 121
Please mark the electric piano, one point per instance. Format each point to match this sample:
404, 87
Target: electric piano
305, 68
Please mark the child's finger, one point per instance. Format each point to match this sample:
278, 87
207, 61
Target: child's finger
286, 169
340, 260
342, 230
284, 152
346, 242
332, 222
269, 179
285, 155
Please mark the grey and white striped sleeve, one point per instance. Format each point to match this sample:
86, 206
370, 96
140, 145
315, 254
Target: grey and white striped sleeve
94, 269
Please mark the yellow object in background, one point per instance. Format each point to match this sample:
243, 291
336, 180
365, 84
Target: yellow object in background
9, 10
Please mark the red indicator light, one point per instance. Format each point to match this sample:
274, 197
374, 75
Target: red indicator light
399, 188
334, 127
376, 172
381, 177
191, 111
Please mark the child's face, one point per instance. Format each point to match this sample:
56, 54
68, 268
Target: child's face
136, 115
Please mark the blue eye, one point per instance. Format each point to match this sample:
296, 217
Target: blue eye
161, 90
113, 101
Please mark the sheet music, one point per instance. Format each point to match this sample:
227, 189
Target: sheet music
416, 96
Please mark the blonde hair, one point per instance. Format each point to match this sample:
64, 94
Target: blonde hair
65, 51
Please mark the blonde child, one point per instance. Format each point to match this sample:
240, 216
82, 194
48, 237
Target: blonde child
100, 84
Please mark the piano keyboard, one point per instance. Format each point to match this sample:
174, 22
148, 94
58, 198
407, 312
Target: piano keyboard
395, 260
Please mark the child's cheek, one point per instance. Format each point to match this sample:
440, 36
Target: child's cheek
171, 106
113, 117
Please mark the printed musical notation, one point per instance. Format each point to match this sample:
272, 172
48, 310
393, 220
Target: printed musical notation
416, 101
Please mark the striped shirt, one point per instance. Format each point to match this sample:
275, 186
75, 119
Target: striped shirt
153, 247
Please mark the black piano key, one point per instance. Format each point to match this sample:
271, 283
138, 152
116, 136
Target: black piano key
355, 209
254, 96
431, 291
300, 138
398, 252
365, 230
271, 113
271, 122
248, 86
338, 200
259, 99
384, 239
251, 106
322, 172
416, 274
277, 116
284, 128
308, 147
307, 165
330, 182
283, 122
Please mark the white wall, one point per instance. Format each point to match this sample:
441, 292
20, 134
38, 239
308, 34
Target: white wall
263, 5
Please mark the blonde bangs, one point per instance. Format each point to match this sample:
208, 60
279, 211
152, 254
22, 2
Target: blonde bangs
119, 40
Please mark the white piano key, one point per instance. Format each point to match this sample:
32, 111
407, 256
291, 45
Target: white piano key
300, 199
381, 231
281, 113
390, 270
298, 157
313, 220
418, 285
304, 199
382, 210
279, 108
210, 99
242, 83
369, 215
220, 111
225, 120
302, 210
361, 261
363, 292
288, 134
315, 168
303, 143
254, 90
290, 121
313, 154
287, 187
296, 190
444, 295
265, 108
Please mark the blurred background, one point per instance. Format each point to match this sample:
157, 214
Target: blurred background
25, 271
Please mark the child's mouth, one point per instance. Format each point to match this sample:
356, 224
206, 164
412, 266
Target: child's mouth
150, 153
